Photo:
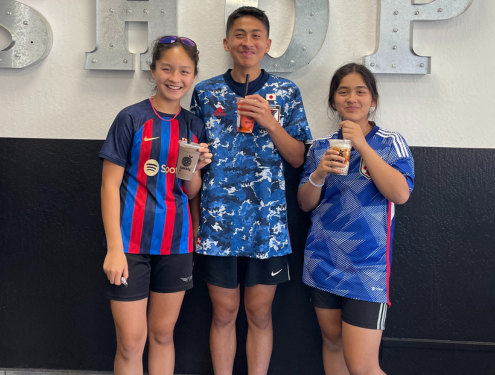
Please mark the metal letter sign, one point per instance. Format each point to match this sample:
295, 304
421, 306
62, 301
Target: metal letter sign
394, 53
111, 51
309, 34
32, 36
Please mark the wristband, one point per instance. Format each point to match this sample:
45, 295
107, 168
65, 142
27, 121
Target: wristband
312, 183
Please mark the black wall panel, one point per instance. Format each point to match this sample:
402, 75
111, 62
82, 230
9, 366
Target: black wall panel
53, 313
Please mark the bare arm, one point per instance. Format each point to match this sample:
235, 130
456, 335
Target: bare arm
308, 195
194, 207
291, 149
389, 181
191, 187
115, 264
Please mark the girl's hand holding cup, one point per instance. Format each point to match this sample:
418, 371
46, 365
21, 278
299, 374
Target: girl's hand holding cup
204, 156
331, 162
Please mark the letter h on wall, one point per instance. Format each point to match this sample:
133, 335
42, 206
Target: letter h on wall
111, 51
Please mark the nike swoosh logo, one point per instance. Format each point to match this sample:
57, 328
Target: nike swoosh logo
186, 279
276, 273
146, 139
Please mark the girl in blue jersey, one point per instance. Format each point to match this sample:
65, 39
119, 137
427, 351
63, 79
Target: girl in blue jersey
348, 252
145, 211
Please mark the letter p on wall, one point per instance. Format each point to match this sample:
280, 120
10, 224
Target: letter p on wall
111, 51
394, 53
32, 36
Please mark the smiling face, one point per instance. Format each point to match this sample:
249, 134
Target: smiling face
174, 76
247, 43
353, 99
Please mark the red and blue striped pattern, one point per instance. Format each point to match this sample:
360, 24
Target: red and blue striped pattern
156, 216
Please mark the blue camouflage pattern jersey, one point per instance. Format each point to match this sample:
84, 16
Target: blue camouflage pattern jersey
349, 247
243, 206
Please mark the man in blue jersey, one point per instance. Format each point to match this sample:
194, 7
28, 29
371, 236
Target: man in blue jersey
243, 231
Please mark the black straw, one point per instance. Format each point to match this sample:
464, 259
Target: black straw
340, 129
246, 85
188, 131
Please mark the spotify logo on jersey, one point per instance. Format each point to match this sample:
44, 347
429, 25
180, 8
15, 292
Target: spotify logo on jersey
151, 168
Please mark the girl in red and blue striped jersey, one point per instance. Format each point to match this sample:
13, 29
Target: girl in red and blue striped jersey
348, 252
148, 226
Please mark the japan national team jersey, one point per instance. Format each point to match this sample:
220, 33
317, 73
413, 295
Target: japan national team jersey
243, 206
154, 209
349, 247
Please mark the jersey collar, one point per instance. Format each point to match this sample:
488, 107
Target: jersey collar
231, 83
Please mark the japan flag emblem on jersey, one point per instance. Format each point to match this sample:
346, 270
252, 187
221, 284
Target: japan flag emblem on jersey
364, 170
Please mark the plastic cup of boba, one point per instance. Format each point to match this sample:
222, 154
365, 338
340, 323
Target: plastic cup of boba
344, 147
245, 124
187, 160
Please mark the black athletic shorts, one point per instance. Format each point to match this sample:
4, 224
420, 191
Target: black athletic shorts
227, 272
156, 273
364, 314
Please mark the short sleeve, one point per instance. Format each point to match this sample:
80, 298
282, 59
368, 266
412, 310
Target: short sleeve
195, 106
200, 132
310, 165
296, 124
401, 159
119, 140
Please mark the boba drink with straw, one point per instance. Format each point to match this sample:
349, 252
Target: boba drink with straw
188, 157
344, 147
245, 124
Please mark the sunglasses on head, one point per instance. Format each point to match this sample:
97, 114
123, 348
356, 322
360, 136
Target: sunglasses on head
171, 39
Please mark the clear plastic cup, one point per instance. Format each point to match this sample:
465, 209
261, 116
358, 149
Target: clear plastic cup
245, 124
344, 147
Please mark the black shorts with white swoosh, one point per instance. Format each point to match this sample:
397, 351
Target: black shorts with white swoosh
228, 272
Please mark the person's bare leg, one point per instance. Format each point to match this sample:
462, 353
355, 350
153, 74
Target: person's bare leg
361, 348
163, 311
130, 326
225, 305
258, 302
330, 321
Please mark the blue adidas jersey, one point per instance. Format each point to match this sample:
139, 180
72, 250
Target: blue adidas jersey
243, 206
349, 247
155, 215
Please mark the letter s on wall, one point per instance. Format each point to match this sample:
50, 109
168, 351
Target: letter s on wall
32, 36
308, 36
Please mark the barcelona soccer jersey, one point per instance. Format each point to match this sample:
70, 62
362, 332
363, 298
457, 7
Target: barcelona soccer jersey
155, 215
349, 247
243, 206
